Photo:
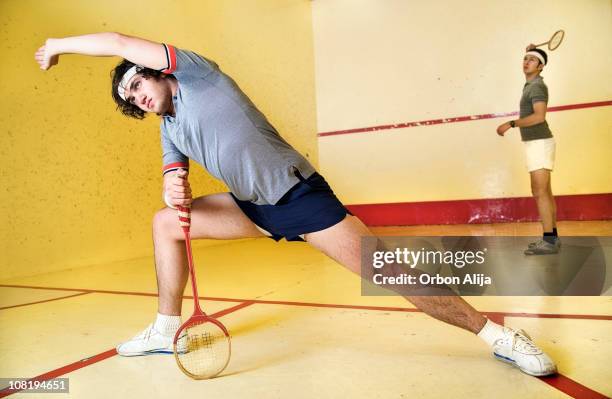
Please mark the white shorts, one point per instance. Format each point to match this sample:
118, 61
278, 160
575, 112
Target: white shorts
540, 154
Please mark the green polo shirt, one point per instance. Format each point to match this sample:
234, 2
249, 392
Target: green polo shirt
534, 91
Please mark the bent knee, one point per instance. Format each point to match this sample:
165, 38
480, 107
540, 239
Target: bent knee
165, 222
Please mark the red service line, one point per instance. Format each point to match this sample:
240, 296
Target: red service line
86, 290
373, 129
101, 356
315, 304
45, 300
560, 316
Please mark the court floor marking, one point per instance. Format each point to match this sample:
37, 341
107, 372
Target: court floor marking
559, 381
571, 387
88, 361
494, 314
45, 300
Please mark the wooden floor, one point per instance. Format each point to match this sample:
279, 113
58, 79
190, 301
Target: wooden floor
300, 329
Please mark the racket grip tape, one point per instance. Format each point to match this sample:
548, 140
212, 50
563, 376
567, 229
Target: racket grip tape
184, 215
184, 211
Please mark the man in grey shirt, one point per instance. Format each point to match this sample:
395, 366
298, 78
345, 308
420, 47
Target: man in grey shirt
539, 147
275, 192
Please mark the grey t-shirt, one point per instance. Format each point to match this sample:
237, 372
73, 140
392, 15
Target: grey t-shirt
533, 92
217, 126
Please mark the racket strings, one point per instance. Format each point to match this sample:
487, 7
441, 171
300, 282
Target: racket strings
555, 41
204, 351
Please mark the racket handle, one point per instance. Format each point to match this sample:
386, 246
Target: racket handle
184, 215
184, 212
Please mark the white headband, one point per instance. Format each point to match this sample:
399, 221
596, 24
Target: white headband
537, 55
129, 74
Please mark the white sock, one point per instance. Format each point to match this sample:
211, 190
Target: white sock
491, 332
166, 324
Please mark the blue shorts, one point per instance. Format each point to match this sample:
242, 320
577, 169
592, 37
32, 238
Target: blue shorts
309, 206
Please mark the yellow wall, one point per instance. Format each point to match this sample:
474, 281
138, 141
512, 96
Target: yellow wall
393, 61
81, 182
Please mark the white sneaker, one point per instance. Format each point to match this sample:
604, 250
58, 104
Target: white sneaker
517, 349
151, 341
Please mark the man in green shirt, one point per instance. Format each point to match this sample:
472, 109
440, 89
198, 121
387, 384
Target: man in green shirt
539, 148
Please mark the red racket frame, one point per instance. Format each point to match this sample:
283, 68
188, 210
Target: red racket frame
198, 316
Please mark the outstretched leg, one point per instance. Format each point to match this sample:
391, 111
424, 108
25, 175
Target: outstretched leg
342, 243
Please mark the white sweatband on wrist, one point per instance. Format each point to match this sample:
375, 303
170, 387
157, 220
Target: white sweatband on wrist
167, 201
129, 74
537, 55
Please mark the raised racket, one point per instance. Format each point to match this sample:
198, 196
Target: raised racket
555, 40
202, 345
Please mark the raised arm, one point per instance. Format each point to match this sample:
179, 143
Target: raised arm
139, 51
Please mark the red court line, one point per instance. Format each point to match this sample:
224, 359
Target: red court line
571, 387
222, 313
492, 315
99, 357
495, 317
319, 305
333, 306
560, 316
373, 129
81, 290
45, 300
64, 370
558, 381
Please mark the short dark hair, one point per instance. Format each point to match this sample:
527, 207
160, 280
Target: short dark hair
124, 106
542, 53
